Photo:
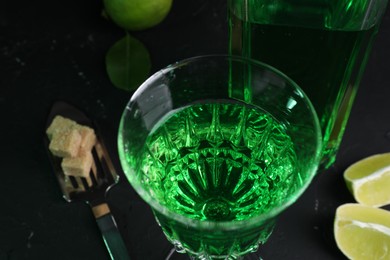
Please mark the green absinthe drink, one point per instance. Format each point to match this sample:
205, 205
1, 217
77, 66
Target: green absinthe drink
217, 161
218, 164
322, 45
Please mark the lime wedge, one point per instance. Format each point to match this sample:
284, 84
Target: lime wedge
362, 232
369, 180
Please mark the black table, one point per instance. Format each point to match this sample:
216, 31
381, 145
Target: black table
54, 50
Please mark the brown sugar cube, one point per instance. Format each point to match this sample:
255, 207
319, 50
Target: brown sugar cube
66, 143
88, 179
59, 124
88, 139
79, 166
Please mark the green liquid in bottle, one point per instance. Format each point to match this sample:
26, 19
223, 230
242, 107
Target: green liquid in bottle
322, 45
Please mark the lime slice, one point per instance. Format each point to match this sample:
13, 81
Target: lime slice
369, 180
362, 232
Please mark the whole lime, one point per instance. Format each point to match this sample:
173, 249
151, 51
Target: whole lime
137, 14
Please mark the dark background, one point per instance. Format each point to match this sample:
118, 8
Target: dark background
54, 50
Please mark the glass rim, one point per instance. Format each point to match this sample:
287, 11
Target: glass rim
209, 224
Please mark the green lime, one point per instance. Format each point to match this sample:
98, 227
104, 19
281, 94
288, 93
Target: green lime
137, 14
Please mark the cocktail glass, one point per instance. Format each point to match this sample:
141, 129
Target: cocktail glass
218, 146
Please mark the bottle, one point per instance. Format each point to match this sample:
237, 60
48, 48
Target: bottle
323, 45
